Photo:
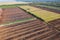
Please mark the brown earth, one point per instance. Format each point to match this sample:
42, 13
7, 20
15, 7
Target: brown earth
13, 14
49, 9
55, 24
31, 30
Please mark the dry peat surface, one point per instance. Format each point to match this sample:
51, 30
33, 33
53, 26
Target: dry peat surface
54, 23
17, 24
49, 9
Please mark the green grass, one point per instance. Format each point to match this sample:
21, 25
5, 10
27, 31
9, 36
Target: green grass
58, 8
18, 21
53, 5
6, 6
10, 6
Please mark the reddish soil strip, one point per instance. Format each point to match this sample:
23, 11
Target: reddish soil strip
13, 14
55, 24
49, 9
30, 30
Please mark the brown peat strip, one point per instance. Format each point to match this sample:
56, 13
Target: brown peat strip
55, 24
31, 30
49, 9
13, 14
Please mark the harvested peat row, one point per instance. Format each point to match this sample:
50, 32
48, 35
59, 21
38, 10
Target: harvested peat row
55, 24
31, 30
49, 9
13, 14
5, 28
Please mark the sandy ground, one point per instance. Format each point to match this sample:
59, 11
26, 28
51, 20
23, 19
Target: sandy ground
8, 3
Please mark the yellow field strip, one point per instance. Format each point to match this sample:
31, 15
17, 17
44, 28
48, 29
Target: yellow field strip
44, 14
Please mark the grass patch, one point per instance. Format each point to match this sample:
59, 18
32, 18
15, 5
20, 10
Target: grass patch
58, 8
18, 21
10, 6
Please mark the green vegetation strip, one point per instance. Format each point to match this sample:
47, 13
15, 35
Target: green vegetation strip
58, 8
18, 21
11, 6
7, 6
